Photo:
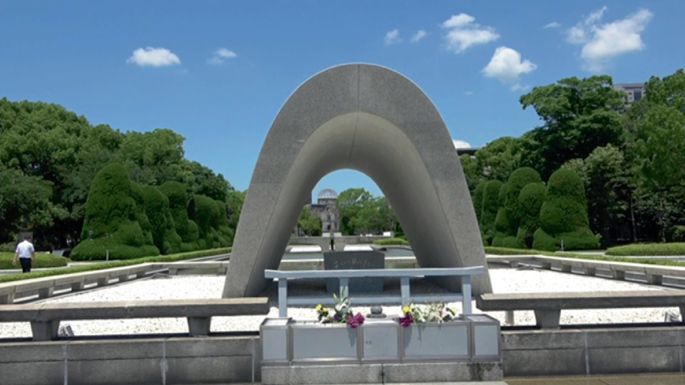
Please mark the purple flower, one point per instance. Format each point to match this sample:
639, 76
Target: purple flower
406, 321
336, 318
354, 321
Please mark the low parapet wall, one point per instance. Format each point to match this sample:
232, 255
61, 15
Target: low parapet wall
162, 360
236, 358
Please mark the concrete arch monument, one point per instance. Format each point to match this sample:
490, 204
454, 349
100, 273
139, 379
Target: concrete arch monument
374, 120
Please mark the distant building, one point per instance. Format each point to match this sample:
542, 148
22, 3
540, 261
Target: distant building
634, 91
326, 209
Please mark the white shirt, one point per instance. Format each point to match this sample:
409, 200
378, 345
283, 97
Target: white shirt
25, 249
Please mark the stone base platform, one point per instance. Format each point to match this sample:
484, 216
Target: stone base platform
424, 372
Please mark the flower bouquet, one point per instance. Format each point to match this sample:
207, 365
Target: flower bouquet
431, 312
340, 313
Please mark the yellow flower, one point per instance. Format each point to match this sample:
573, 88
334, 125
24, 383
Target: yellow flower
319, 307
405, 309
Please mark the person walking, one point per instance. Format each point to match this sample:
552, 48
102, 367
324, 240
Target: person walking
25, 253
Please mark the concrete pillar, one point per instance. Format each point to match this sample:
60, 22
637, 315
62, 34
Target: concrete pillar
546, 266
123, 277
509, 317
618, 274
589, 270
45, 331
77, 286
566, 268
7, 299
199, 326
141, 274
45, 292
547, 319
103, 281
654, 279
513, 264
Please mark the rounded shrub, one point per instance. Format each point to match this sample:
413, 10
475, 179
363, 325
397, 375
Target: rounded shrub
563, 215
509, 216
491, 205
530, 199
112, 217
478, 198
178, 206
162, 227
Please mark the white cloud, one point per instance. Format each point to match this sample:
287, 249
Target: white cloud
420, 34
553, 24
155, 57
602, 42
392, 37
220, 55
506, 65
464, 33
461, 144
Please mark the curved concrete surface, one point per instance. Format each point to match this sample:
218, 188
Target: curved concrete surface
374, 120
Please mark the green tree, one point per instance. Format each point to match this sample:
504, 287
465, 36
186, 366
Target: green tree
478, 198
509, 216
350, 202
178, 206
307, 223
471, 169
530, 199
499, 158
563, 216
112, 222
491, 205
604, 176
660, 145
578, 116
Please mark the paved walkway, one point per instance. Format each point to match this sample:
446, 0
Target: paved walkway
623, 379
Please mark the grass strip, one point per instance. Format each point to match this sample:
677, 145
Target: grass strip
111, 264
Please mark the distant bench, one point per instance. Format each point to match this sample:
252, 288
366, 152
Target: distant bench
548, 306
45, 318
404, 275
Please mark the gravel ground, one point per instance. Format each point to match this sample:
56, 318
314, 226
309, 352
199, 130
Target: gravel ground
189, 287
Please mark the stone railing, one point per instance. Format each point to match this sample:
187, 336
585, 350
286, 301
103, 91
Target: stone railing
404, 275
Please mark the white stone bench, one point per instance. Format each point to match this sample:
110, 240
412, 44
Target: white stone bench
45, 318
404, 275
548, 306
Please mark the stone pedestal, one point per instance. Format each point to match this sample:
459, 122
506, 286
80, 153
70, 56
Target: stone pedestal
353, 260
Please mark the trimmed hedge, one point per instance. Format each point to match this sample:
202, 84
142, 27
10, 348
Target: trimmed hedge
491, 205
478, 198
563, 215
111, 264
42, 260
509, 216
676, 248
391, 241
115, 219
530, 200
178, 206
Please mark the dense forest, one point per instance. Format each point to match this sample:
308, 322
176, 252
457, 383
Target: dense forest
630, 157
49, 157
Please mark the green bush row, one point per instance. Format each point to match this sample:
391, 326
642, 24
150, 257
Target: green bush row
391, 241
648, 249
647, 261
111, 264
42, 260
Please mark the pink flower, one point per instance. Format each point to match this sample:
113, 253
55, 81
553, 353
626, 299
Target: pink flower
406, 321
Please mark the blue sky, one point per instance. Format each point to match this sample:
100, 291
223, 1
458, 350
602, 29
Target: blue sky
217, 72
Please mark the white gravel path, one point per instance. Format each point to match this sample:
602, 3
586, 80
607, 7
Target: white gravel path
189, 287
